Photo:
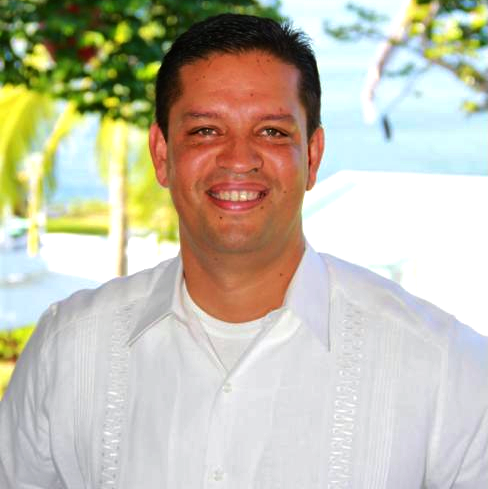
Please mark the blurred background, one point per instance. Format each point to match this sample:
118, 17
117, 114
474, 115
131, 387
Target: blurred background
403, 187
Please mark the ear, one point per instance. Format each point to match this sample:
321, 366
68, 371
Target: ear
316, 146
159, 153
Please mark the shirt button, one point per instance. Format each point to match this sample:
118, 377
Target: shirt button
227, 387
218, 474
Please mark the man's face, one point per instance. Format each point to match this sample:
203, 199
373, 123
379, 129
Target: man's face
237, 160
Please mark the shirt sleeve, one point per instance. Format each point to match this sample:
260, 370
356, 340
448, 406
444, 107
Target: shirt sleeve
460, 456
25, 460
474, 469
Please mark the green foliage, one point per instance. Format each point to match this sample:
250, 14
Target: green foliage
451, 34
6, 369
405, 70
82, 217
12, 342
150, 206
63, 126
76, 226
366, 14
368, 24
31, 128
21, 111
101, 54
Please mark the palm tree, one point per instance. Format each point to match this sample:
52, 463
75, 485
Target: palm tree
27, 152
112, 143
31, 130
134, 194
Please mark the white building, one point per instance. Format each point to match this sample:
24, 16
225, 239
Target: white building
428, 232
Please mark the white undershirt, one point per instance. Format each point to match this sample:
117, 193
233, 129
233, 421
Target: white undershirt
229, 340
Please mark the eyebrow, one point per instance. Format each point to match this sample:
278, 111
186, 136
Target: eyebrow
277, 117
202, 115
217, 115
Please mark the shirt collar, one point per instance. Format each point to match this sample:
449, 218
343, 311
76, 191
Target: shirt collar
161, 298
307, 296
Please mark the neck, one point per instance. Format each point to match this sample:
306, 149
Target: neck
240, 287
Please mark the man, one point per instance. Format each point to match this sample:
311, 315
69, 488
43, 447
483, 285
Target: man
250, 361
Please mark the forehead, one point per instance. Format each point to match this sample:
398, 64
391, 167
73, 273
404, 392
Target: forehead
239, 77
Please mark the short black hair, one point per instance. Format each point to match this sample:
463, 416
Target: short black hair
236, 34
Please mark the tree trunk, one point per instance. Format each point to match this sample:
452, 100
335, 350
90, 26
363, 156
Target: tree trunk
118, 199
34, 203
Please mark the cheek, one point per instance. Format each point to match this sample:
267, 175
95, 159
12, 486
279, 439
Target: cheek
187, 185
290, 170
191, 164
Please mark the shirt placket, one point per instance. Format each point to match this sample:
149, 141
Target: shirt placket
217, 474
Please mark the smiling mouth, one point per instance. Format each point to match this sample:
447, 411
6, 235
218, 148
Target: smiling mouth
238, 195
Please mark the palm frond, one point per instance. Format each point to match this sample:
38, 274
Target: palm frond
64, 124
104, 146
21, 113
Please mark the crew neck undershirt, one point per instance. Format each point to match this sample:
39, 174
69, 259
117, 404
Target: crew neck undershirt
229, 340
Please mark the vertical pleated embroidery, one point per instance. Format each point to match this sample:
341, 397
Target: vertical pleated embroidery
84, 386
382, 414
346, 398
116, 401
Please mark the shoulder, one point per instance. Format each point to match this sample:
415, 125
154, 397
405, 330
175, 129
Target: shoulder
376, 293
386, 299
442, 365
85, 305
456, 354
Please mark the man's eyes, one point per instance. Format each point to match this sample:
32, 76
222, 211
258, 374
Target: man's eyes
271, 132
274, 132
203, 131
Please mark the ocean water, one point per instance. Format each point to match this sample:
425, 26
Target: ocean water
430, 132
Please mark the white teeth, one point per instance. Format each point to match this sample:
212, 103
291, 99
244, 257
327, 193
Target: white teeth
237, 195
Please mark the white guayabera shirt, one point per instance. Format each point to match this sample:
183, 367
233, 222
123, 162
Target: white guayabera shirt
353, 383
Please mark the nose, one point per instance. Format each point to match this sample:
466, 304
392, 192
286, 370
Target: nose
239, 156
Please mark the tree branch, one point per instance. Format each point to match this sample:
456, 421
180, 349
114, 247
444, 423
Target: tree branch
398, 31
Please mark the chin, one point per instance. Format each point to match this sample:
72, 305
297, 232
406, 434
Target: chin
236, 246
237, 242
